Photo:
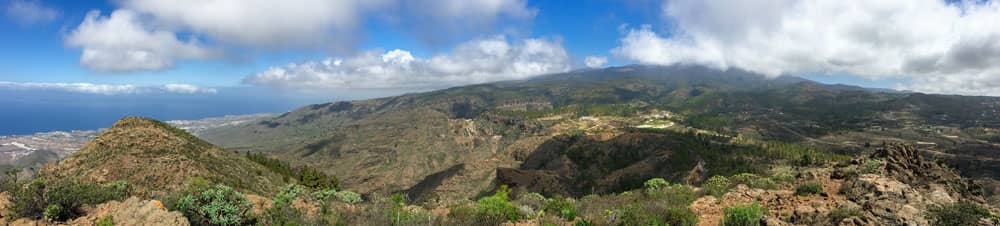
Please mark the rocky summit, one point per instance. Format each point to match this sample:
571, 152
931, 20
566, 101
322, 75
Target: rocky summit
156, 159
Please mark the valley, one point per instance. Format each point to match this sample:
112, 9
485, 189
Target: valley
630, 145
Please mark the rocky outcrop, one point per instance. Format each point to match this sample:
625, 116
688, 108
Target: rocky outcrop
896, 185
132, 211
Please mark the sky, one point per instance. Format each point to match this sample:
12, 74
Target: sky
331, 49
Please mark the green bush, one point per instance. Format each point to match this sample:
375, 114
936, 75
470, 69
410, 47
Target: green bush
54, 212
583, 222
717, 185
656, 184
872, 166
106, 221
324, 194
680, 217
810, 188
399, 214
960, 213
744, 215
348, 197
496, 209
562, 207
281, 211
59, 201
217, 205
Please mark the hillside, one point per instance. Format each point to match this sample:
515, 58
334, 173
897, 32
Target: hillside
447, 144
156, 159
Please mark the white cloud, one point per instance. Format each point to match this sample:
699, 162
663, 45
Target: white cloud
263, 23
595, 61
108, 89
30, 12
266, 24
187, 89
121, 43
939, 46
477, 61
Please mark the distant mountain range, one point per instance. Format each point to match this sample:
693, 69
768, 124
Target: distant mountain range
448, 143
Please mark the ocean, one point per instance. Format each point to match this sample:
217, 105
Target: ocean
31, 111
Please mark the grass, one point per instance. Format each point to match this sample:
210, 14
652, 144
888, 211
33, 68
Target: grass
808, 188
743, 215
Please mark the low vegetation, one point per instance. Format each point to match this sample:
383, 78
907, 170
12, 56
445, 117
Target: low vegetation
840, 213
743, 215
307, 176
809, 188
59, 200
959, 213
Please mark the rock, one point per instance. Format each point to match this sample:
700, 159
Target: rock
133, 211
773, 221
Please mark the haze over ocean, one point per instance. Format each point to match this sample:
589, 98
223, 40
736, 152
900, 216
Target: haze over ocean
28, 111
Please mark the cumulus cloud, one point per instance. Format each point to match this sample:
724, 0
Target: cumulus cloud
30, 12
477, 61
267, 24
122, 43
262, 23
595, 61
945, 47
108, 89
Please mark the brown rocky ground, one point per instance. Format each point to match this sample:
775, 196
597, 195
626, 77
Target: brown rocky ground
131, 211
892, 186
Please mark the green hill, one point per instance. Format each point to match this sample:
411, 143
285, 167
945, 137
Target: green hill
156, 159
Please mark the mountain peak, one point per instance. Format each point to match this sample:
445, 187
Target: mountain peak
160, 158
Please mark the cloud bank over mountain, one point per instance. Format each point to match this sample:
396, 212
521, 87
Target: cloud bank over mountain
941, 47
477, 61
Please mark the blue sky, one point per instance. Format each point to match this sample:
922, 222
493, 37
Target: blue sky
445, 42
35, 52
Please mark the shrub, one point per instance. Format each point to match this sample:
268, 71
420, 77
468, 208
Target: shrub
840, 213
106, 221
59, 201
400, 215
118, 189
315, 179
717, 185
348, 197
744, 215
656, 184
323, 195
810, 188
675, 195
496, 209
872, 166
462, 214
281, 212
562, 207
583, 222
532, 200
217, 205
680, 216
960, 213
54, 212
783, 178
